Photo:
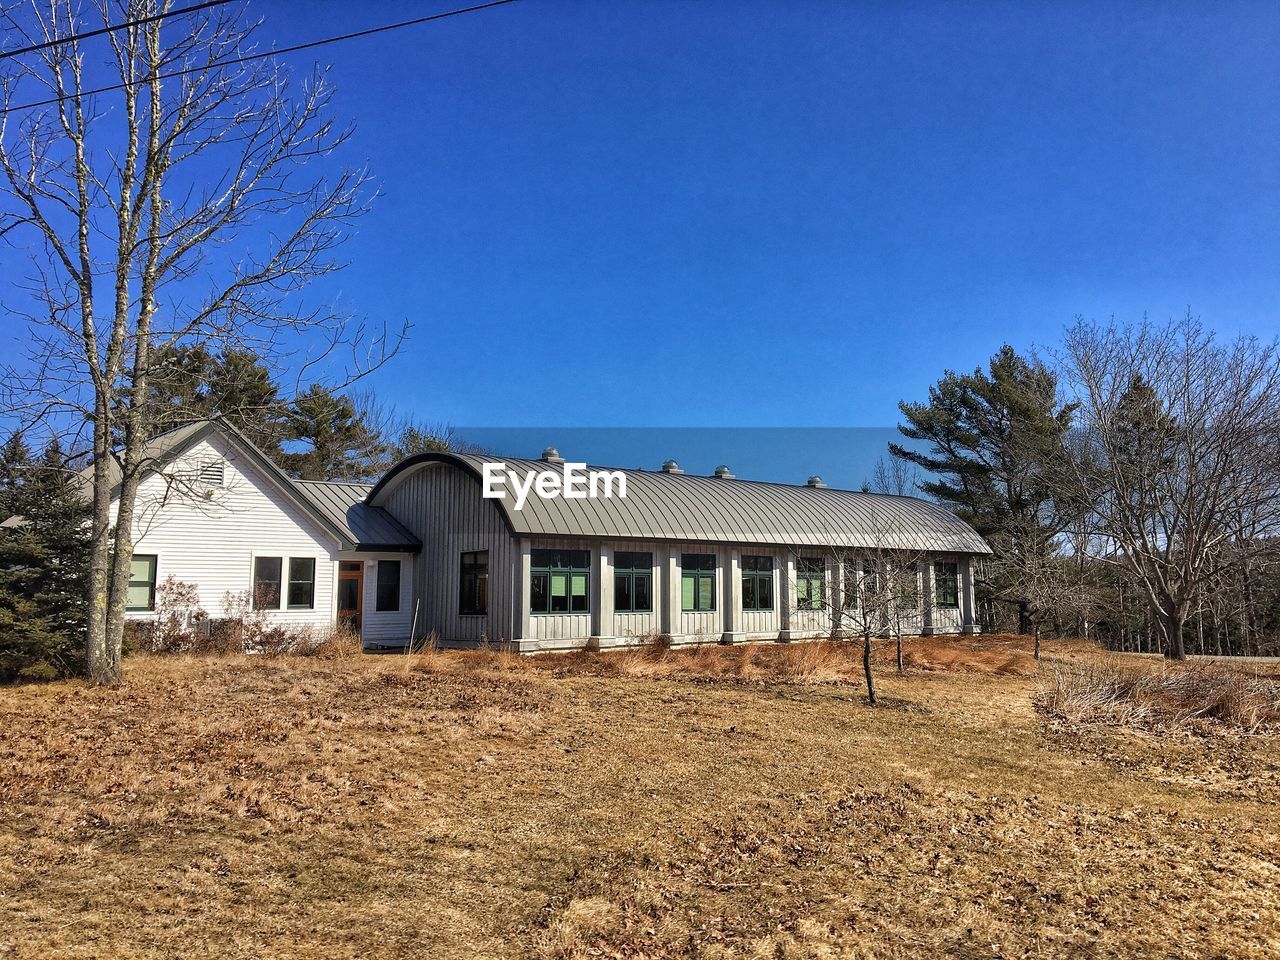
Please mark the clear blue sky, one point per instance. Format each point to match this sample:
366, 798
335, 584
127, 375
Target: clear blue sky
779, 214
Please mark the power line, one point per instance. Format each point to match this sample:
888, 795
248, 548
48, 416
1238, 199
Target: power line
112, 28
265, 53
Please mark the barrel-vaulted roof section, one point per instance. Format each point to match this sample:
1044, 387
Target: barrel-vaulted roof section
669, 506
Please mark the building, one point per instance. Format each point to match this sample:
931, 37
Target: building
424, 553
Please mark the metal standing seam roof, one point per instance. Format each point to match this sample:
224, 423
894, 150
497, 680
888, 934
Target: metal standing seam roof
369, 528
669, 506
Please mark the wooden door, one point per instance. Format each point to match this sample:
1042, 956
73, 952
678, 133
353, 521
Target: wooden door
351, 593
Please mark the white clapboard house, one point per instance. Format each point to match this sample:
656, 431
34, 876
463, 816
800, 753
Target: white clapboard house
422, 553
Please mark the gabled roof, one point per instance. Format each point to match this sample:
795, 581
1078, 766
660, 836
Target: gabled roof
677, 506
343, 514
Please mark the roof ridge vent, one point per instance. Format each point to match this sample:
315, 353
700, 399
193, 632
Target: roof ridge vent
552, 455
816, 482
723, 472
670, 466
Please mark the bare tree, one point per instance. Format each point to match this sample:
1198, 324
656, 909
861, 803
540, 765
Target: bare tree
174, 196
1176, 456
894, 476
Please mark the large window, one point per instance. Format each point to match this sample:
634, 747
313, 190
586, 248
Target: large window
632, 581
697, 581
810, 579
302, 583
266, 583
142, 582
946, 584
757, 583
560, 581
388, 586
473, 597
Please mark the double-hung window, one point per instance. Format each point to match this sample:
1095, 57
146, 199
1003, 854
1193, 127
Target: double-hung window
757, 583
473, 580
142, 582
388, 598
302, 583
632, 581
810, 579
266, 583
697, 582
560, 581
946, 584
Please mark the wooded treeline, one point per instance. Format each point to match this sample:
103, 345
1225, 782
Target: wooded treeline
1128, 484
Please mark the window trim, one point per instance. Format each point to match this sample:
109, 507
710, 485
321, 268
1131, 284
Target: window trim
155, 576
377, 585
697, 575
280, 583
757, 575
816, 572
462, 580
549, 571
632, 573
287, 586
954, 580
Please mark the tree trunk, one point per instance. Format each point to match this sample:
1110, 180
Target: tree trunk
866, 668
898, 637
1037, 632
1024, 617
1172, 619
102, 667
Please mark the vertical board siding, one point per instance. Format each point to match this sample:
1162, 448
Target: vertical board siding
210, 542
387, 626
442, 506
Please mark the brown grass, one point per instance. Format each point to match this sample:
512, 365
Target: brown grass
464, 805
1201, 696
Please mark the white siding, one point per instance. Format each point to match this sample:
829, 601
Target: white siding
387, 626
211, 541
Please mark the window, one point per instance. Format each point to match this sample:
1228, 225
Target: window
946, 584
632, 582
697, 581
214, 474
266, 583
302, 583
757, 583
388, 585
142, 582
559, 581
810, 575
473, 597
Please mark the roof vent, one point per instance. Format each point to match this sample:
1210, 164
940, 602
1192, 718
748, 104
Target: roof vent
671, 467
552, 455
816, 482
723, 472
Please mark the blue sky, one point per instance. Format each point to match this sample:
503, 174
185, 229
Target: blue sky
789, 214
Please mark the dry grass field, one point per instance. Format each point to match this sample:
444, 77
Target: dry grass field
712, 803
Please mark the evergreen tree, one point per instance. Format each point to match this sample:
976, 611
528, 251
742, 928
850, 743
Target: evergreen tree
993, 438
337, 443
44, 568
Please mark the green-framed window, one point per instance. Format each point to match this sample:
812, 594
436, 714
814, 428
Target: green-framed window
632, 581
697, 582
473, 583
811, 576
142, 582
757, 583
267, 581
946, 583
302, 583
560, 581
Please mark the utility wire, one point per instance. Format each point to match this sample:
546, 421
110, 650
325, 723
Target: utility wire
260, 56
112, 28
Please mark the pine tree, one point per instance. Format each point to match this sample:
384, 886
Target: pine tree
337, 443
44, 567
993, 438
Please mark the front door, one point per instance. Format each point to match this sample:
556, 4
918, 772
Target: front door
350, 593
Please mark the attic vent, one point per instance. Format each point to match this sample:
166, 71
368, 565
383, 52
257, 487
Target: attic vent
213, 474
815, 481
671, 467
552, 455
723, 472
